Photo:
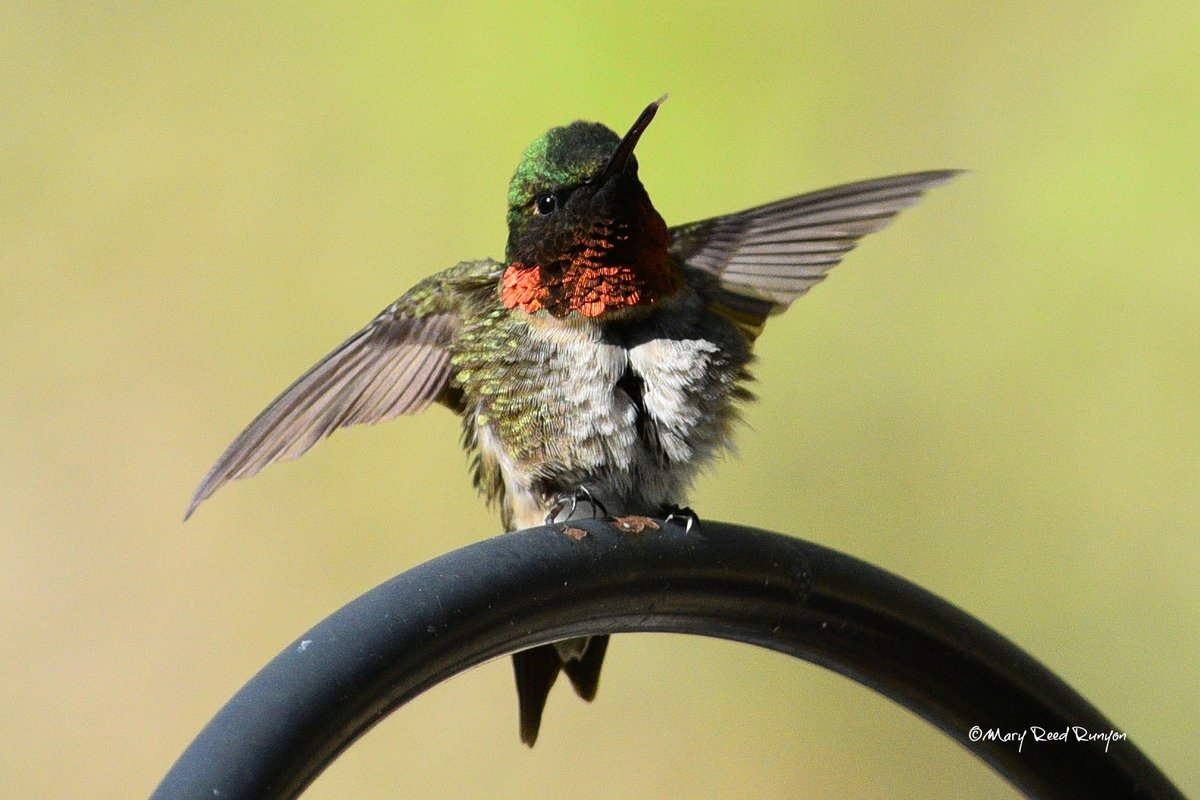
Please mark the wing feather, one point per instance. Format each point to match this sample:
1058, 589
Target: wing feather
398, 364
764, 258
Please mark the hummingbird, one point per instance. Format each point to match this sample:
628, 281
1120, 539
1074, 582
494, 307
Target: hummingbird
598, 367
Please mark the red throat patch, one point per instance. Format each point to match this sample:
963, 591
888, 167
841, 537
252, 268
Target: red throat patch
598, 272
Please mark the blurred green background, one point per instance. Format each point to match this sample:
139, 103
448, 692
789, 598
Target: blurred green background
996, 397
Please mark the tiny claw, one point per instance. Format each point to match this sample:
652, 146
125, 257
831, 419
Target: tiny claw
559, 503
569, 500
684, 517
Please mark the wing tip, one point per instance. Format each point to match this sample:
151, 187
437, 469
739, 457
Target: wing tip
195, 502
936, 177
203, 492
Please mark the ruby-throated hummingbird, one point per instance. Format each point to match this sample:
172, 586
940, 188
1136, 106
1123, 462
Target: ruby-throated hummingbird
603, 359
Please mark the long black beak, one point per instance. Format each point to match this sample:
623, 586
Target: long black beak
620, 157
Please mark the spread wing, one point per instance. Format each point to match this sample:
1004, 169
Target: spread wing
766, 257
398, 364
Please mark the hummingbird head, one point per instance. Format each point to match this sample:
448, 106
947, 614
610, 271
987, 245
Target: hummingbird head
582, 233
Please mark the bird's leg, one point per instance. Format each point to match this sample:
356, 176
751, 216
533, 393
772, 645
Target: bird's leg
569, 500
684, 517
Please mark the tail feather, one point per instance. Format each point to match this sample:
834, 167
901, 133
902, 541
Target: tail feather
537, 669
584, 672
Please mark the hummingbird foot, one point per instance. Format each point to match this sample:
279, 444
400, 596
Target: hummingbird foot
568, 500
683, 517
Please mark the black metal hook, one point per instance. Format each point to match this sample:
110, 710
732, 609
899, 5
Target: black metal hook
536, 586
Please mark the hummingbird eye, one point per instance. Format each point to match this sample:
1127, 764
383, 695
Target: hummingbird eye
545, 203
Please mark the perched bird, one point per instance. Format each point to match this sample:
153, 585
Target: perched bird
597, 368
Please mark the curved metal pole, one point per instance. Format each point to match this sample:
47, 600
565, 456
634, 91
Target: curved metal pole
540, 585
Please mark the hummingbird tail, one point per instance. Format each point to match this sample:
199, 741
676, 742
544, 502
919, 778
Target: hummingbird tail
537, 669
584, 672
